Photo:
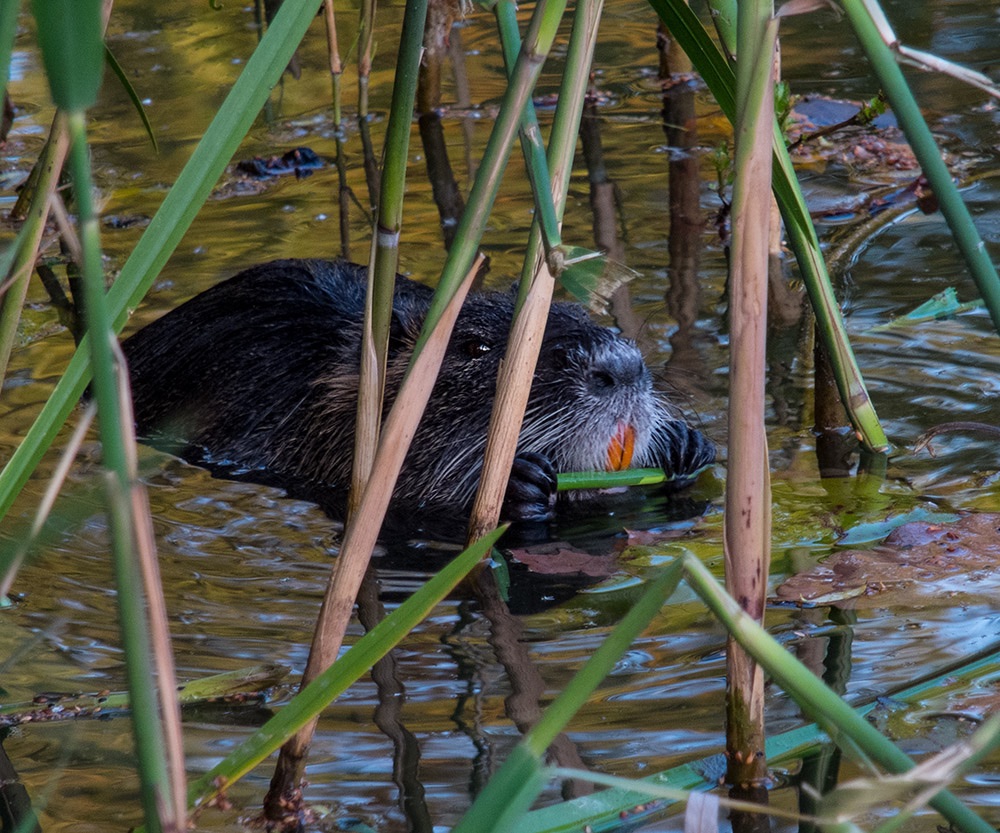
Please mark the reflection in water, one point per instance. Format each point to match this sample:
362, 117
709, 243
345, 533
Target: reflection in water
389, 715
16, 813
438, 55
523, 705
687, 371
245, 565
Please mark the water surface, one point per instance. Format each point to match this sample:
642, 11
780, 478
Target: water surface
245, 566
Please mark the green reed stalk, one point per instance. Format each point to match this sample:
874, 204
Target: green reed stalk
724, 14
918, 134
569, 109
69, 33
384, 258
168, 226
718, 75
133, 96
850, 731
611, 479
576, 268
573, 266
96, 314
513, 788
546, 215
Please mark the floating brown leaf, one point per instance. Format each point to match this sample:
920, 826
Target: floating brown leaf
560, 558
917, 564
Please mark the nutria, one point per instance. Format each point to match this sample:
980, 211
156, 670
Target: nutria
260, 372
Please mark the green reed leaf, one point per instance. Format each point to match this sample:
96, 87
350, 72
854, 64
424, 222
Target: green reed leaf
133, 96
69, 34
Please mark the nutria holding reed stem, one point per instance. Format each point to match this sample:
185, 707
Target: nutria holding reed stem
261, 371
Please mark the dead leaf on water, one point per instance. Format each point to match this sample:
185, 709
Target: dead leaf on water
918, 564
560, 558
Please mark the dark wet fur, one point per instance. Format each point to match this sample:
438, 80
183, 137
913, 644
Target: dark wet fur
260, 373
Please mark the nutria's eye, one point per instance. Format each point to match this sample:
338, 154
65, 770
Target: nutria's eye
602, 379
474, 348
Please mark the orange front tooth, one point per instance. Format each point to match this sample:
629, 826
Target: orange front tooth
621, 447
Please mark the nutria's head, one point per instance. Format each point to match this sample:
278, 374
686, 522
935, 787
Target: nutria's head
592, 405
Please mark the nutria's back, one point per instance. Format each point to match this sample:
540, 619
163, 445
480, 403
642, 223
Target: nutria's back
261, 371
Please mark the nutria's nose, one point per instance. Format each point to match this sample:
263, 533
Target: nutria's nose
617, 365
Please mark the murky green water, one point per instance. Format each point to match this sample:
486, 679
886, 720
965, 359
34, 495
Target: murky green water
245, 567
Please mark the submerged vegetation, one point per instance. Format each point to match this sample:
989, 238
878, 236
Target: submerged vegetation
69, 37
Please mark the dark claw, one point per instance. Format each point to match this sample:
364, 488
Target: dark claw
686, 452
531, 490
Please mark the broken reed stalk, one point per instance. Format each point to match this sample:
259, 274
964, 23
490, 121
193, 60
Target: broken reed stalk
748, 504
362, 532
364, 523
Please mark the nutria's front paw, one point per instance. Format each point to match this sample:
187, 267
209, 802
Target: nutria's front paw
531, 490
685, 452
